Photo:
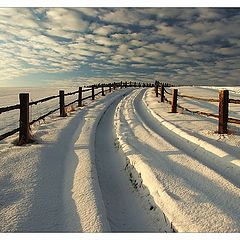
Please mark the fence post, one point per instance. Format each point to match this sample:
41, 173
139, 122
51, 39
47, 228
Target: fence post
103, 94
93, 96
125, 85
174, 100
114, 86
24, 127
156, 89
62, 104
80, 97
223, 111
110, 87
121, 85
162, 93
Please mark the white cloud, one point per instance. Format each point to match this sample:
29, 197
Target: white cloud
228, 51
92, 12
171, 41
163, 47
106, 41
66, 19
121, 15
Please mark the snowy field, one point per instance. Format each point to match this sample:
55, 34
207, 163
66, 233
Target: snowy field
10, 96
122, 163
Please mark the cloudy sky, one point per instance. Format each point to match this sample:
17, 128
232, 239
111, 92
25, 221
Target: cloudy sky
63, 46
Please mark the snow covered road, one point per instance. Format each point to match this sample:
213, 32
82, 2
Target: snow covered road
125, 212
123, 163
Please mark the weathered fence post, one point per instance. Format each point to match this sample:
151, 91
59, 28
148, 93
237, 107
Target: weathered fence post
110, 87
174, 100
80, 97
121, 85
223, 111
93, 95
162, 93
114, 86
24, 127
125, 84
103, 94
62, 104
156, 88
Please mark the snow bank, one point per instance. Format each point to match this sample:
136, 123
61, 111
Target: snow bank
52, 186
193, 196
86, 190
198, 145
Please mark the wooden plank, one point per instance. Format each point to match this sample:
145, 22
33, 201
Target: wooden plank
7, 109
201, 99
235, 101
8, 134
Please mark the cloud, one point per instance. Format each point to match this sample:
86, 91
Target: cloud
121, 15
92, 12
106, 41
62, 21
228, 51
167, 43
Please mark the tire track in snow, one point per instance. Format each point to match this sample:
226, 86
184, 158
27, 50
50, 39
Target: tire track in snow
206, 153
125, 212
198, 196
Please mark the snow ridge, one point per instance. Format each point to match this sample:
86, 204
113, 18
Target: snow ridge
192, 196
86, 190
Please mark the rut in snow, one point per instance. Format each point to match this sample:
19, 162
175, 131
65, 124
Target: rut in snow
193, 196
124, 209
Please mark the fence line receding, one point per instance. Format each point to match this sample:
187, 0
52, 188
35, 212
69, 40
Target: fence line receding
223, 107
24, 128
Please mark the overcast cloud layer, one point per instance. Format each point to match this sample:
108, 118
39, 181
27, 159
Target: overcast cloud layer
77, 46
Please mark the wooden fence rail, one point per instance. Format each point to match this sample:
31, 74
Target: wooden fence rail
223, 106
24, 130
7, 109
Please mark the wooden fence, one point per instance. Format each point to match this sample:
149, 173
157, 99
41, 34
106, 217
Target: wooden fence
223, 106
24, 128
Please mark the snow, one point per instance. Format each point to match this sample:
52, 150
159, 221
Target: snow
122, 163
188, 183
235, 89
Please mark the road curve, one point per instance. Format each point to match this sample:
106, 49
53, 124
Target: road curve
193, 196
